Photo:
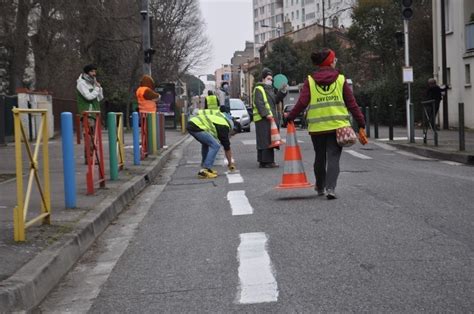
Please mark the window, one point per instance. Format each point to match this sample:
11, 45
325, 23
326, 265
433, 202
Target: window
317, 7
292, 3
329, 4
297, 14
286, 3
302, 16
255, 12
292, 16
255, 26
262, 10
296, 1
447, 13
467, 72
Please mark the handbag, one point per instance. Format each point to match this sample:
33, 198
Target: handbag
346, 136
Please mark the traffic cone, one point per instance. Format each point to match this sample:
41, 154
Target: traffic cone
275, 135
294, 176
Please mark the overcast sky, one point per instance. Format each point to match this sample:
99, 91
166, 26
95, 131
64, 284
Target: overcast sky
228, 25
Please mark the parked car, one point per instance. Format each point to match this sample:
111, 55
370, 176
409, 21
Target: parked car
290, 102
299, 120
239, 112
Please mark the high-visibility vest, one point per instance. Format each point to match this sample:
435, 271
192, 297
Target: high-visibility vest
210, 112
145, 105
206, 122
256, 115
211, 101
327, 110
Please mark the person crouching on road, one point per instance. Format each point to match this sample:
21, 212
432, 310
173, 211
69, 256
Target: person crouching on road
146, 95
264, 110
328, 96
212, 129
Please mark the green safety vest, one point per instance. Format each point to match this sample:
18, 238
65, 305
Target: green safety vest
206, 122
211, 101
256, 115
327, 110
86, 105
216, 112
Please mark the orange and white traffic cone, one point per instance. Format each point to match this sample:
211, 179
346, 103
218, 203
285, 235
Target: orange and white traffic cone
275, 135
294, 176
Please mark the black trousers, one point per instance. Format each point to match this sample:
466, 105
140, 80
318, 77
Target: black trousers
266, 156
326, 161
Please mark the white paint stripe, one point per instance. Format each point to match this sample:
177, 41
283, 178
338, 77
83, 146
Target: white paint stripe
3, 207
234, 177
239, 203
408, 154
356, 154
451, 163
385, 146
398, 139
257, 280
249, 142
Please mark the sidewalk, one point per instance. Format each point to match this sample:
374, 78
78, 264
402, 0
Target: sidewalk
29, 270
447, 149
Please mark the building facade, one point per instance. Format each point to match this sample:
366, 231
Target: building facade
459, 31
269, 16
238, 59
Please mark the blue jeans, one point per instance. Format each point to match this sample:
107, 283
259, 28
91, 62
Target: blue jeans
210, 147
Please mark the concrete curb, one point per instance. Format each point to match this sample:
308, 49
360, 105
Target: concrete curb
460, 157
31, 284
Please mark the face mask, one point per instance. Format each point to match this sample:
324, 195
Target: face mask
226, 87
268, 82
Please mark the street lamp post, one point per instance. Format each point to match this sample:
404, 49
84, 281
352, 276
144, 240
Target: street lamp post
278, 28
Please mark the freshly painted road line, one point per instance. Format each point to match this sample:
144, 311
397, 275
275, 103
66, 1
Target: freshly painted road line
239, 203
356, 154
398, 139
234, 177
451, 163
257, 280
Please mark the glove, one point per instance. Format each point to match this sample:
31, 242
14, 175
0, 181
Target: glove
362, 136
232, 167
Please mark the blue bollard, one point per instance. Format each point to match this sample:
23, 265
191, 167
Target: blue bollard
68, 160
136, 139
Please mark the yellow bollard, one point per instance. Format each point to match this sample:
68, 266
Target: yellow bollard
183, 123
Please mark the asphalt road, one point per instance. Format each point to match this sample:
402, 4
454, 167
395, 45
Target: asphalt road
399, 238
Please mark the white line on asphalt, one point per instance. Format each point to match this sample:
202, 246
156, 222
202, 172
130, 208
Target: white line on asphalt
249, 142
408, 154
239, 203
398, 139
385, 146
3, 207
356, 154
451, 163
257, 280
234, 177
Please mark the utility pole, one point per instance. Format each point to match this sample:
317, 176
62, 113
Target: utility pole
146, 41
410, 133
444, 66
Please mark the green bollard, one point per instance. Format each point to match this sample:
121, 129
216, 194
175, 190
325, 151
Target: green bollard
112, 128
149, 129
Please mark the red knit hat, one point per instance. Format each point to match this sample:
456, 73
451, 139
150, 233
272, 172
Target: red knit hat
329, 59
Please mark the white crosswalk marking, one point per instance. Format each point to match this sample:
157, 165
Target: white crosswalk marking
234, 177
257, 280
356, 154
239, 203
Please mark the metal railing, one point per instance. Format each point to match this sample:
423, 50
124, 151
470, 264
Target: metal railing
23, 201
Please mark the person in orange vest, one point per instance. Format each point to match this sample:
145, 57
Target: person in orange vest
146, 96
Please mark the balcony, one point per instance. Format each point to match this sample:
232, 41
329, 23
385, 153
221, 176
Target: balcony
470, 36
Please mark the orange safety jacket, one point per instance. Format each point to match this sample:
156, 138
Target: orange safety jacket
145, 105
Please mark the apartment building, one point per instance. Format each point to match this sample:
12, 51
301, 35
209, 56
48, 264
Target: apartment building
269, 16
268, 21
459, 31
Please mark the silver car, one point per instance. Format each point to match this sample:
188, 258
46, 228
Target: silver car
239, 112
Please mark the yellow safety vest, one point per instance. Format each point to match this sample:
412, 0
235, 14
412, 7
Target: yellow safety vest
206, 122
256, 115
211, 101
327, 110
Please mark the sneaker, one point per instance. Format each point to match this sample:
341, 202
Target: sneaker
212, 171
331, 194
320, 191
206, 174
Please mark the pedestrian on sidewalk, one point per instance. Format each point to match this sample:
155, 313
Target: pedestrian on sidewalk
224, 97
265, 101
434, 93
89, 94
146, 95
329, 97
211, 101
211, 129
